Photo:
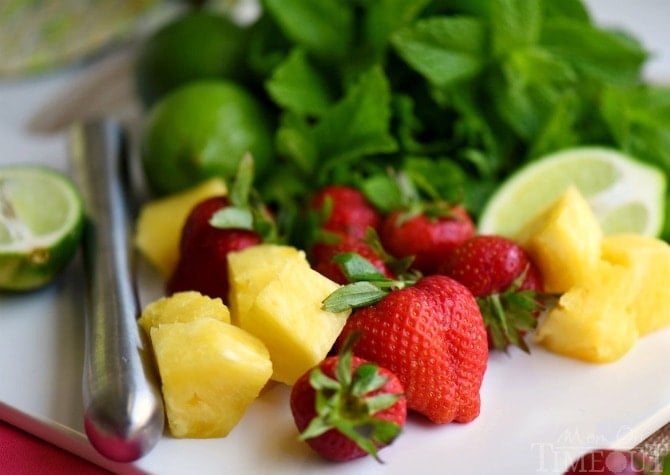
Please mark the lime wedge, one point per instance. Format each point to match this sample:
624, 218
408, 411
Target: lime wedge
41, 223
626, 195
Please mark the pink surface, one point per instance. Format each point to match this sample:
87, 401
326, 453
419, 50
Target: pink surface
22, 453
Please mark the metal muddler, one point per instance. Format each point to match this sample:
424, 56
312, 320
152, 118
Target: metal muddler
123, 410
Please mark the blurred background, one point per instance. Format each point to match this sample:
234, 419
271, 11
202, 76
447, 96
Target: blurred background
37, 36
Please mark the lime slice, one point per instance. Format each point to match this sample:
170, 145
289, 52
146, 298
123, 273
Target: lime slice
625, 194
41, 223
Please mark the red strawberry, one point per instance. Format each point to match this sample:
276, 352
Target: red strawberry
430, 334
203, 262
430, 236
347, 407
505, 281
324, 253
345, 210
215, 227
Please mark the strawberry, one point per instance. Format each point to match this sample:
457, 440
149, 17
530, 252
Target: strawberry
345, 210
506, 283
429, 333
343, 217
203, 263
429, 234
215, 227
347, 407
324, 254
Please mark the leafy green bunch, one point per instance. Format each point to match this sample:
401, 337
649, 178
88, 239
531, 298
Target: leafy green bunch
456, 94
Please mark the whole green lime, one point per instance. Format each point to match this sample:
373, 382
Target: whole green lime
197, 45
201, 130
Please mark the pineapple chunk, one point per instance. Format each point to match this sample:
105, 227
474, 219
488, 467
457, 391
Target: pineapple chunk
284, 308
211, 372
614, 287
252, 270
564, 241
593, 320
648, 261
182, 307
160, 223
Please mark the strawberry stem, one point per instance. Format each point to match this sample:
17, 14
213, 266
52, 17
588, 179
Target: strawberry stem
511, 313
367, 286
347, 404
243, 182
246, 211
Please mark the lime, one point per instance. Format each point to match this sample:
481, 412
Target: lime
202, 130
41, 223
197, 45
626, 195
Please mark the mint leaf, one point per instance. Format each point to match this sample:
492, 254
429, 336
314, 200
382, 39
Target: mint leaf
514, 24
382, 191
426, 134
443, 49
456, 94
295, 141
560, 128
358, 125
441, 180
532, 81
297, 86
324, 28
608, 56
383, 17
478, 8
569, 9
267, 47
639, 121
478, 133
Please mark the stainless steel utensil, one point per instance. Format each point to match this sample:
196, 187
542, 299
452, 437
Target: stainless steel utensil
123, 413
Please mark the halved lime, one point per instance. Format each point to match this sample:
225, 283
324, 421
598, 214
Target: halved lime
41, 223
626, 195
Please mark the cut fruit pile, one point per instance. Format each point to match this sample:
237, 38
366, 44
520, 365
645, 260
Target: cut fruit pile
213, 360
612, 289
279, 316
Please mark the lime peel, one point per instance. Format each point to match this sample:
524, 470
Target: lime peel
626, 194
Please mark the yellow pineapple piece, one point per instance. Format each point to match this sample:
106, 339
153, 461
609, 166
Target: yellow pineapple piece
210, 372
160, 223
182, 307
593, 320
284, 311
564, 241
251, 270
648, 261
